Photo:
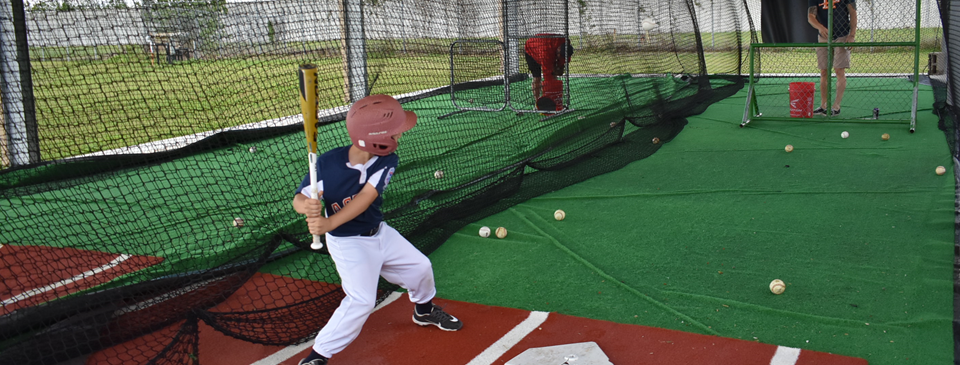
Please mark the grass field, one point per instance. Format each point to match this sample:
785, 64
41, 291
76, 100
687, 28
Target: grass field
110, 97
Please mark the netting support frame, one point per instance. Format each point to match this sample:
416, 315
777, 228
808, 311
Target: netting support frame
510, 50
355, 50
752, 109
21, 145
453, 81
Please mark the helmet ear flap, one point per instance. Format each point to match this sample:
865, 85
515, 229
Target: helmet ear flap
374, 121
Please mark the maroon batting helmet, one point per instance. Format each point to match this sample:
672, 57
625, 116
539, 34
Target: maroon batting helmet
374, 120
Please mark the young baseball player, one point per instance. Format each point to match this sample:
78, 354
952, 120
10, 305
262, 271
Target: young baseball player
547, 55
351, 181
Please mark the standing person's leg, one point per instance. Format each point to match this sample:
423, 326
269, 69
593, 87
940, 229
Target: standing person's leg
841, 86
406, 266
358, 261
841, 62
537, 87
824, 77
824, 86
535, 72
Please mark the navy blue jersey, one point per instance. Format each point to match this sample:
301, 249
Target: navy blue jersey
341, 182
841, 15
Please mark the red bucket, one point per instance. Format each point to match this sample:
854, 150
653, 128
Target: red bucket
801, 99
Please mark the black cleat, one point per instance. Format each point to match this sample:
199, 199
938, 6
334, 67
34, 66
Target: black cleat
320, 361
439, 318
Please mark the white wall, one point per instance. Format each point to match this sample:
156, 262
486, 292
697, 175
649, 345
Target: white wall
312, 20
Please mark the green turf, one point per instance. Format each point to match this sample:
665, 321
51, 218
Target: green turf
182, 210
861, 230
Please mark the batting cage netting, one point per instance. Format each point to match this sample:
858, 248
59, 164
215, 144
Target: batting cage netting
151, 151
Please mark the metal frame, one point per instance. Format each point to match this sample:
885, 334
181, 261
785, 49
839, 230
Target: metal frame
453, 97
752, 109
506, 85
510, 45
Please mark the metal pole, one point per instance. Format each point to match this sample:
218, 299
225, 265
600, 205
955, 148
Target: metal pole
916, 70
511, 13
356, 50
830, 70
16, 87
566, 38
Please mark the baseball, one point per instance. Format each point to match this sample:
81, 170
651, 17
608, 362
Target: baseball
238, 222
253, 149
788, 148
559, 215
501, 232
885, 136
844, 134
438, 174
941, 170
656, 140
777, 286
484, 231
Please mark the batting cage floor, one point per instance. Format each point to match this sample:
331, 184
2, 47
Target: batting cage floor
688, 239
860, 229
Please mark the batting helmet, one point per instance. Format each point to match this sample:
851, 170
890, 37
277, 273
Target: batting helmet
374, 120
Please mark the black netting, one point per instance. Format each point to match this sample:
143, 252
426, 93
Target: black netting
149, 166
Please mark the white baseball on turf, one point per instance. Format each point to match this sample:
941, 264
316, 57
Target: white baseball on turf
777, 286
501, 232
438, 174
885, 136
253, 149
844, 134
238, 222
941, 170
559, 215
788, 148
484, 231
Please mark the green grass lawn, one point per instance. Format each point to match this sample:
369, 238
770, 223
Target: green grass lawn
111, 97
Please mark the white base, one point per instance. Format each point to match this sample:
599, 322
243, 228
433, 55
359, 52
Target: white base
585, 353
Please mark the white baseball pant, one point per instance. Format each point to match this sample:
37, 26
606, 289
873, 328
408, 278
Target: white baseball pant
360, 263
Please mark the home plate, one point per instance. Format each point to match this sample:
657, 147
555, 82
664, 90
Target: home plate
583, 353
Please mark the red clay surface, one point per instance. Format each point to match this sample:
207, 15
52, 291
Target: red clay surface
25, 268
390, 337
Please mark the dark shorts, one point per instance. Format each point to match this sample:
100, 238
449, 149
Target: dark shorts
536, 70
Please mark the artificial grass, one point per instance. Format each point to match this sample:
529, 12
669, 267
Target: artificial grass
860, 229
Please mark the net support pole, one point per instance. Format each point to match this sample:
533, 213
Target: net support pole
916, 71
354, 50
509, 12
22, 142
830, 68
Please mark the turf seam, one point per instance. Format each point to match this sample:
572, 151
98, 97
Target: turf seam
609, 277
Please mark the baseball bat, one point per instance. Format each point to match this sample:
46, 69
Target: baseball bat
308, 106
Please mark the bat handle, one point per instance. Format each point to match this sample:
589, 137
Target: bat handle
316, 245
312, 158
